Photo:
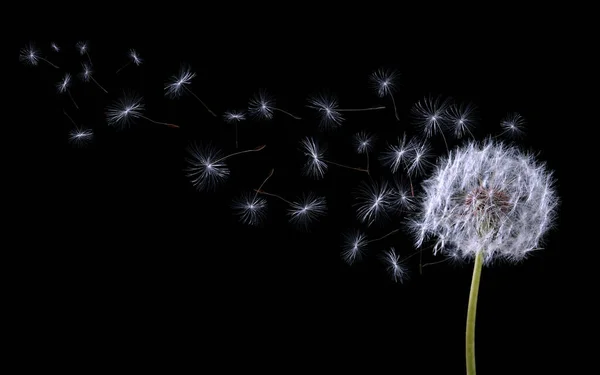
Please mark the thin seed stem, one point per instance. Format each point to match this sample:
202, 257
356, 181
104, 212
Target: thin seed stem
394, 103
382, 237
345, 166
239, 153
438, 262
123, 67
236, 135
159, 123
200, 100
43, 59
263, 183
73, 100
274, 195
287, 113
66, 114
472, 313
369, 173
99, 85
359, 109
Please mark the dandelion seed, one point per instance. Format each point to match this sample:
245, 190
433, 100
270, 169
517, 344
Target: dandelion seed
79, 136
30, 55
177, 85
513, 124
461, 118
63, 87
431, 115
83, 48
206, 165
250, 208
374, 201
86, 76
55, 47
307, 209
355, 244
384, 81
234, 117
125, 110
394, 266
329, 110
316, 166
262, 106
363, 144
134, 58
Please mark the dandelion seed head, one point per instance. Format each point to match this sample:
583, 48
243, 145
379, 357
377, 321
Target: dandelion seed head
487, 197
261, 105
250, 208
122, 112
205, 167
354, 245
315, 167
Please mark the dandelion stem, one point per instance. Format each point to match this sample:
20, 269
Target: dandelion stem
263, 183
287, 113
395, 110
236, 135
274, 195
99, 85
360, 109
54, 66
89, 58
240, 152
368, 164
66, 114
382, 237
471, 314
200, 100
73, 100
159, 123
123, 67
445, 143
438, 262
345, 166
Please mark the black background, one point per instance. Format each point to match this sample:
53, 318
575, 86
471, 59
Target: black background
142, 259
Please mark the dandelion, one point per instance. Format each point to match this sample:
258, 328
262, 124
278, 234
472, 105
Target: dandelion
316, 166
86, 76
83, 48
486, 201
262, 106
30, 55
355, 244
331, 114
134, 58
234, 117
63, 87
206, 165
384, 82
178, 84
125, 110
79, 136
54, 47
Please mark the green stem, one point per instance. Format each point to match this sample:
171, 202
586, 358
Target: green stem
471, 313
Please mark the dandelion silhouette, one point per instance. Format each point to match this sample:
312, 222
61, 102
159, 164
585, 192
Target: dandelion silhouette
134, 58
31, 56
63, 87
329, 111
486, 201
177, 85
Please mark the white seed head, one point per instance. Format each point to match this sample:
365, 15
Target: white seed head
487, 197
